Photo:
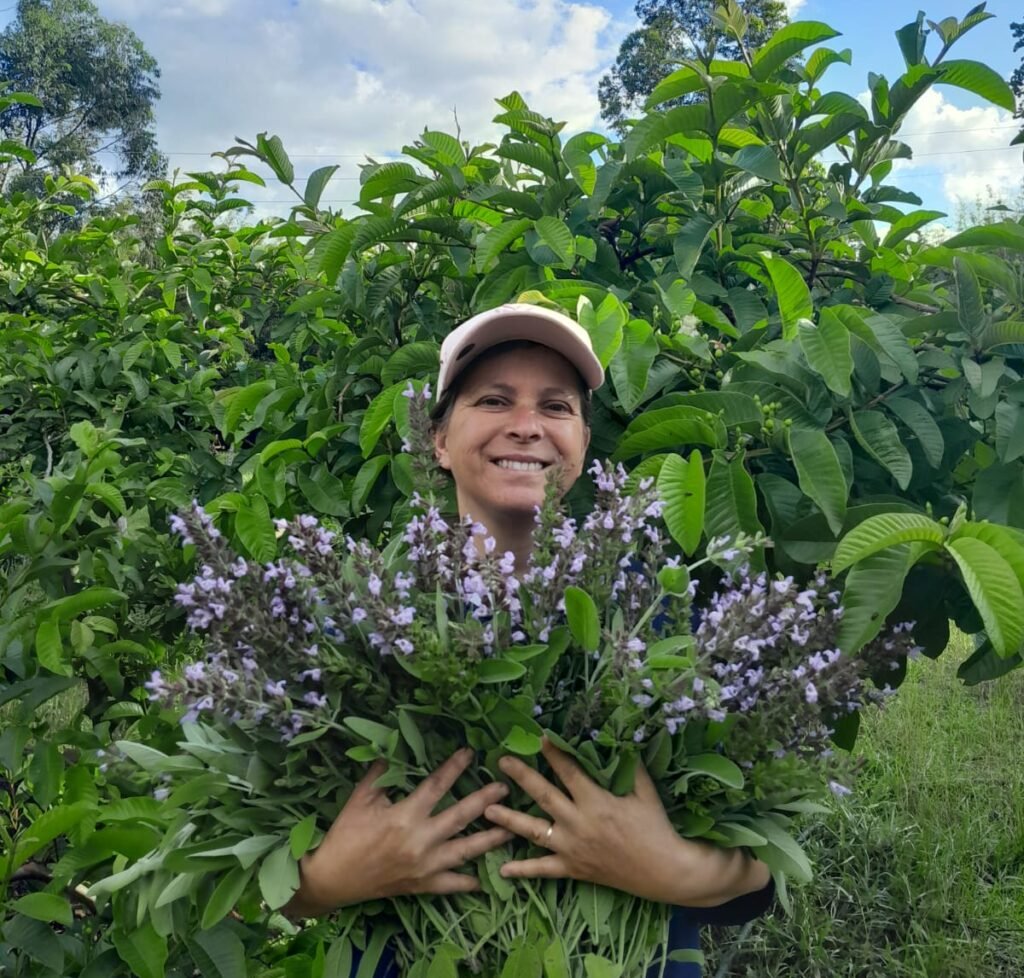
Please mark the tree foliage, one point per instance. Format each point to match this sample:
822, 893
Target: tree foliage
670, 31
95, 84
844, 386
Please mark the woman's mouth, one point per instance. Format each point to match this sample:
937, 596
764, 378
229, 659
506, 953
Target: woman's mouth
518, 466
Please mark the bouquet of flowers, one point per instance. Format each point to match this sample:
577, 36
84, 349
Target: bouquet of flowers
339, 653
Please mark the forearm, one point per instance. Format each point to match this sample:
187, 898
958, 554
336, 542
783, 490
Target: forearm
724, 875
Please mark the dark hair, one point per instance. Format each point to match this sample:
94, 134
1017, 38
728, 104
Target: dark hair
442, 411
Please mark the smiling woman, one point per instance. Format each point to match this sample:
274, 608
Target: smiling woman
513, 405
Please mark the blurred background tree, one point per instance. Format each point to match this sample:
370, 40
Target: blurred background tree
672, 30
97, 85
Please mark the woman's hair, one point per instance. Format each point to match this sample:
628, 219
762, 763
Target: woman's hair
442, 411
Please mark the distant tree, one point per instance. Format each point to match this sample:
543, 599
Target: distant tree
672, 30
97, 85
1017, 78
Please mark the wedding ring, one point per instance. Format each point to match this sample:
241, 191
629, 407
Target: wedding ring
548, 834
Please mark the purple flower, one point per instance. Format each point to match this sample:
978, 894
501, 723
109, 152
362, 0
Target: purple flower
811, 693
274, 689
838, 789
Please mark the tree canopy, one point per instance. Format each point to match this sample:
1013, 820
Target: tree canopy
672, 30
96, 86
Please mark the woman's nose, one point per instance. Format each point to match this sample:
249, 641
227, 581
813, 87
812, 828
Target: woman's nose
524, 422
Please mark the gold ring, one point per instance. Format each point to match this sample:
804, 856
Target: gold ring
548, 834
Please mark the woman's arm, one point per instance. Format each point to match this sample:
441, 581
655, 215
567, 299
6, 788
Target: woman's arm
379, 848
624, 842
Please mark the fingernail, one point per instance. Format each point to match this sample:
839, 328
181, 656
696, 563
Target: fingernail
502, 790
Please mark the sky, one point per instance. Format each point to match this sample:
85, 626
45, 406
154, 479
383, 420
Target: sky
343, 80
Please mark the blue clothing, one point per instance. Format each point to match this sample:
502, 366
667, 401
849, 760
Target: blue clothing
684, 931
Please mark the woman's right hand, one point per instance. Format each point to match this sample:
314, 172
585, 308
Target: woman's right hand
378, 848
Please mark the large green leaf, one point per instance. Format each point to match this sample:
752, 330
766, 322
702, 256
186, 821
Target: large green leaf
273, 152
604, 324
872, 591
995, 590
819, 473
1007, 234
143, 950
970, 304
557, 236
378, 416
787, 43
315, 184
792, 293
279, 877
218, 953
827, 349
578, 156
731, 500
255, 529
979, 79
922, 426
498, 239
584, 621
674, 428
631, 366
681, 486
878, 436
886, 530
985, 664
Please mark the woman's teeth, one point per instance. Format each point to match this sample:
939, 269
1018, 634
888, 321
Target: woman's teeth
506, 463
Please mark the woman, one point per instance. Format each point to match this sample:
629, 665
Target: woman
513, 401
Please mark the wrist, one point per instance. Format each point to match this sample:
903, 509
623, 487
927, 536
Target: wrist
309, 899
712, 875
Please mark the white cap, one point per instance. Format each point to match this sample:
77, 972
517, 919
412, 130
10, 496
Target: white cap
518, 321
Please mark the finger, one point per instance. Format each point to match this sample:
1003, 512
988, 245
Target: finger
542, 791
569, 772
527, 826
454, 820
437, 784
449, 882
643, 786
366, 790
551, 867
458, 851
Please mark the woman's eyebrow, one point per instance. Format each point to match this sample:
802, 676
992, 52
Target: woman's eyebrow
510, 390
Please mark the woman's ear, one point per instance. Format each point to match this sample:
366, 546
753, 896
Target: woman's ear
441, 448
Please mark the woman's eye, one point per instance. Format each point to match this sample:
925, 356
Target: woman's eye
560, 407
490, 401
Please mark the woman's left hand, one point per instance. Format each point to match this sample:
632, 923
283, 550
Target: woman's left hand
626, 842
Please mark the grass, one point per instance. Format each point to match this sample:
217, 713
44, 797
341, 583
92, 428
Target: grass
921, 872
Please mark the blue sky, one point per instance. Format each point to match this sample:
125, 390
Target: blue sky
343, 79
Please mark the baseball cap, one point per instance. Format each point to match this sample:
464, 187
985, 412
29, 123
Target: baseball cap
518, 321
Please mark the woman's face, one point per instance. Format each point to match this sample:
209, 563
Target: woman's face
516, 415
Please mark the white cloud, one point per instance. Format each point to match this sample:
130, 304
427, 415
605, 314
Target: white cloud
960, 152
338, 80
793, 6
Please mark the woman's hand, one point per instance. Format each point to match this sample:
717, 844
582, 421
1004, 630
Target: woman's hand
623, 842
378, 848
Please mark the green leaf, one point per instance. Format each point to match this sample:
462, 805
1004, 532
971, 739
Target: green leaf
994, 588
1006, 234
584, 621
217, 953
786, 43
47, 907
365, 479
792, 293
922, 425
681, 486
50, 648
672, 428
274, 155
332, 249
557, 236
225, 895
279, 877
631, 366
255, 529
499, 670
819, 473
872, 591
970, 304
878, 436
1009, 332
143, 950
718, 767
243, 400
827, 349
412, 736
731, 499
378, 416
109, 495
985, 664
908, 224
886, 530
38, 942
52, 824
522, 742
315, 184
596, 967
88, 599
980, 79
577, 154
376, 733
762, 161
498, 239
523, 961
604, 325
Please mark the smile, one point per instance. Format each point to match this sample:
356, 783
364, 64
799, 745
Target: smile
507, 463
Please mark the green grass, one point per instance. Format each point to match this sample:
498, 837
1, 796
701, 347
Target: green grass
921, 872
